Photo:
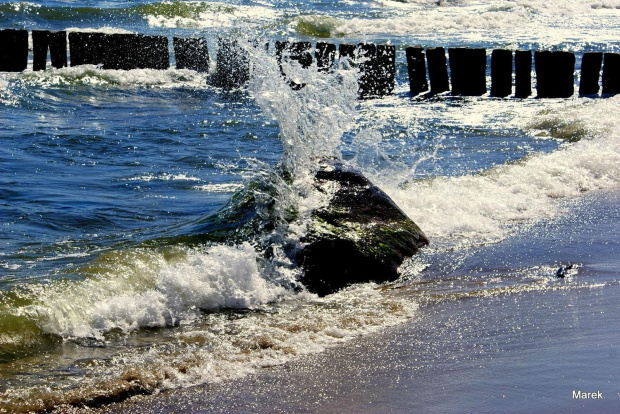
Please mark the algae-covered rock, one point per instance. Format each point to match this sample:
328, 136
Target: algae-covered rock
360, 236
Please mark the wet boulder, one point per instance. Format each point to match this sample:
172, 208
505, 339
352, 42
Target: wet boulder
360, 236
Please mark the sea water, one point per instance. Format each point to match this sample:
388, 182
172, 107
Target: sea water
116, 277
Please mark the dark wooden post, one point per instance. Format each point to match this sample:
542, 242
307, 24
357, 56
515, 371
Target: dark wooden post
40, 40
191, 53
416, 68
611, 74
468, 71
233, 65
325, 54
590, 73
555, 74
152, 53
437, 69
13, 50
368, 77
58, 49
523, 73
86, 48
386, 69
298, 52
57, 44
501, 73
347, 51
119, 52
133, 51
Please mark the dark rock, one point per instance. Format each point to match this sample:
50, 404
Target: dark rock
361, 236
567, 270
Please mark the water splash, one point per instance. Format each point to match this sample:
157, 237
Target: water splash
312, 119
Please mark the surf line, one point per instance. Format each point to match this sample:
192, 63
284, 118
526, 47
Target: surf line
427, 68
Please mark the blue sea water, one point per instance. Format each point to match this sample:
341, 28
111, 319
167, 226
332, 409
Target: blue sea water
109, 181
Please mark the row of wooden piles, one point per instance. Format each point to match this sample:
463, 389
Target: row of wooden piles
462, 71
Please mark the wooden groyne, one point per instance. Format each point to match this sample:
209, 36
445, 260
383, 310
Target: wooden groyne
434, 70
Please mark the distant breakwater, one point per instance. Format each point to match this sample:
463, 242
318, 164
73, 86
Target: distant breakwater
461, 72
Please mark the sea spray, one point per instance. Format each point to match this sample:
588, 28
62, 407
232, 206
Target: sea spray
312, 119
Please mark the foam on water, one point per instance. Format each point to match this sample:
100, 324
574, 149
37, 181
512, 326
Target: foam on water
478, 208
103, 29
148, 288
549, 23
220, 188
163, 177
93, 76
204, 15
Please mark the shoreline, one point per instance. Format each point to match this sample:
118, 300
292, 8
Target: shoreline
525, 351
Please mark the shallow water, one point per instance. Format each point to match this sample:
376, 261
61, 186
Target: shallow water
113, 277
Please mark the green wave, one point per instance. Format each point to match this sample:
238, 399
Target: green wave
318, 26
19, 335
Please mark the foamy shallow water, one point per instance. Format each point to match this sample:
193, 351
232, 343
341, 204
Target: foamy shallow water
110, 177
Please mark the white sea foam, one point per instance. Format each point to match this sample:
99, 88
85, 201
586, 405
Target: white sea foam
510, 23
146, 288
163, 177
481, 207
215, 15
94, 76
220, 188
104, 29
293, 328
220, 347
